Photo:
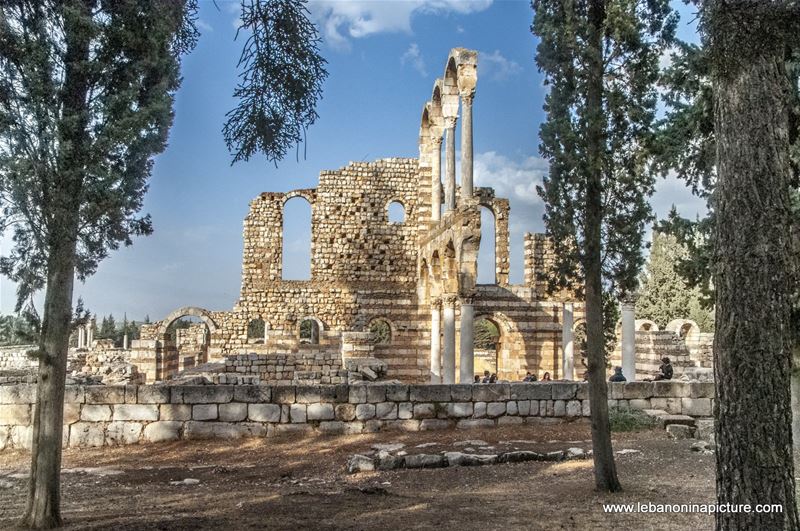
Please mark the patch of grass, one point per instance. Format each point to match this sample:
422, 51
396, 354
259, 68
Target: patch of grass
630, 420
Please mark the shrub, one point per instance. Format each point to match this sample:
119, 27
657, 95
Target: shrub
630, 420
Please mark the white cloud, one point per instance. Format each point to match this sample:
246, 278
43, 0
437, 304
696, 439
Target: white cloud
414, 57
342, 20
516, 180
204, 26
497, 67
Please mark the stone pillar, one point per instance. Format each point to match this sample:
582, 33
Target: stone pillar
466, 145
450, 164
436, 342
449, 356
90, 333
629, 339
568, 343
125, 341
467, 342
80, 336
436, 179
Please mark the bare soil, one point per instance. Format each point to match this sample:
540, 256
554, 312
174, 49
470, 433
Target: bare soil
301, 483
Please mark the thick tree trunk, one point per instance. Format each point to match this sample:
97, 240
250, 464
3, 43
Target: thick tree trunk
605, 471
61, 208
752, 341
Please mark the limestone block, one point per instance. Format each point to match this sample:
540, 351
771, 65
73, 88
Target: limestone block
95, 413
376, 393
401, 425
436, 424
72, 413
15, 414
623, 405
153, 394
639, 403
198, 430
264, 412
405, 411
283, 394
333, 427
671, 389
461, 392
548, 406
236, 430
163, 431
512, 408
131, 392
232, 412
465, 424
74, 394
586, 408
459, 409
320, 411
639, 390
702, 390
564, 391
574, 408
293, 429
365, 411
430, 393
357, 394
386, 411
616, 390
252, 393
123, 433
534, 408
425, 461
680, 431
490, 392
479, 410
204, 412
559, 408
696, 407
372, 426
285, 413
495, 409
207, 394
5, 432
670, 405
583, 391
104, 394
307, 394
345, 412
424, 411
396, 393
22, 436
17, 394
523, 408
175, 412
297, 413
86, 434
506, 420
135, 412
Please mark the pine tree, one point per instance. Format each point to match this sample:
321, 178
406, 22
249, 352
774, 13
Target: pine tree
600, 59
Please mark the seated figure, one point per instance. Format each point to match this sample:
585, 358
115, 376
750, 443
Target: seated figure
617, 376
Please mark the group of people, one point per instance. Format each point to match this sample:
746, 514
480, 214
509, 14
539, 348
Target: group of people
487, 378
665, 373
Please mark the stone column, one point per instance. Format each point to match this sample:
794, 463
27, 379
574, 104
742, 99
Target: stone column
436, 179
467, 343
90, 333
466, 145
125, 341
629, 339
449, 356
450, 164
436, 342
568, 343
81, 331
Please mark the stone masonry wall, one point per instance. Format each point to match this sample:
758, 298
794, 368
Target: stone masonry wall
305, 367
117, 415
15, 357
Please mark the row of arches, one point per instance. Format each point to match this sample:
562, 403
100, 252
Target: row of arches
297, 223
309, 330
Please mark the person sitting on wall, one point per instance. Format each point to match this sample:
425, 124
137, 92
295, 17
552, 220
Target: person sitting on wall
529, 377
546, 377
493, 378
665, 370
617, 376
477, 378
486, 377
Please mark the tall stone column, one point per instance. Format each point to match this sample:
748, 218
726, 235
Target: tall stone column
466, 144
436, 342
629, 339
436, 179
450, 164
449, 356
125, 341
568, 342
81, 333
90, 333
467, 343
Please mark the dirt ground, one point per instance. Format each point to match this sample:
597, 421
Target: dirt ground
291, 483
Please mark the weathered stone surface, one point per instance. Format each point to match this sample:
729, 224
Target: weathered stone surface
72, 413
680, 431
512, 408
461, 392
520, 456
495, 409
564, 391
424, 411
466, 424
386, 411
490, 392
559, 408
461, 459
671, 389
104, 394
345, 412
86, 434
204, 412
15, 414
232, 412
523, 408
479, 410
376, 393
405, 411
459, 409
639, 403
397, 393
506, 420
264, 412
360, 463
401, 425
307, 394
425, 461
252, 393
96, 413
531, 391
135, 412
638, 390
153, 394
574, 408
17, 394
320, 411
702, 390
163, 431
430, 393
365, 411
283, 394
207, 394
198, 430
175, 412
123, 433
696, 407
435, 424
358, 394
297, 413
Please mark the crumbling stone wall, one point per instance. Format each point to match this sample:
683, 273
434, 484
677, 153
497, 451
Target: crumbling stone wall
307, 367
16, 357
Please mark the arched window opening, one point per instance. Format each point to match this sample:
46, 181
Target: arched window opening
486, 342
187, 340
487, 267
296, 239
684, 330
396, 213
256, 332
380, 332
579, 339
309, 332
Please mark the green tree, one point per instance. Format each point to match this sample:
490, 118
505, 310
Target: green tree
86, 96
664, 293
486, 335
600, 60
108, 328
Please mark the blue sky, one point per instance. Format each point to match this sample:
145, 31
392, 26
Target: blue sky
383, 57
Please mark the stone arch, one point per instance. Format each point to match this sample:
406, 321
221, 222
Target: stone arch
307, 194
317, 329
450, 268
257, 328
193, 311
645, 325
683, 328
468, 263
389, 330
424, 292
391, 217
510, 341
306, 227
488, 250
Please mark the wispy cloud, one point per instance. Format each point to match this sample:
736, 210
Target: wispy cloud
414, 57
340, 21
204, 26
514, 179
497, 67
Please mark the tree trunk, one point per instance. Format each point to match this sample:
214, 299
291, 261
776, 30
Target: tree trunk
605, 471
62, 209
752, 341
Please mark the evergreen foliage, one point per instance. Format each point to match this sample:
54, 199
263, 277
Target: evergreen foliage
486, 335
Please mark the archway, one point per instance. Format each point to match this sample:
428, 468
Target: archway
257, 332
184, 345
380, 331
487, 340
396, 213
310, 331
487, 266
296, 254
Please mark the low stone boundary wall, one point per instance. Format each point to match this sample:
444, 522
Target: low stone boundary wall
130, 414
16, 357
285, 369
